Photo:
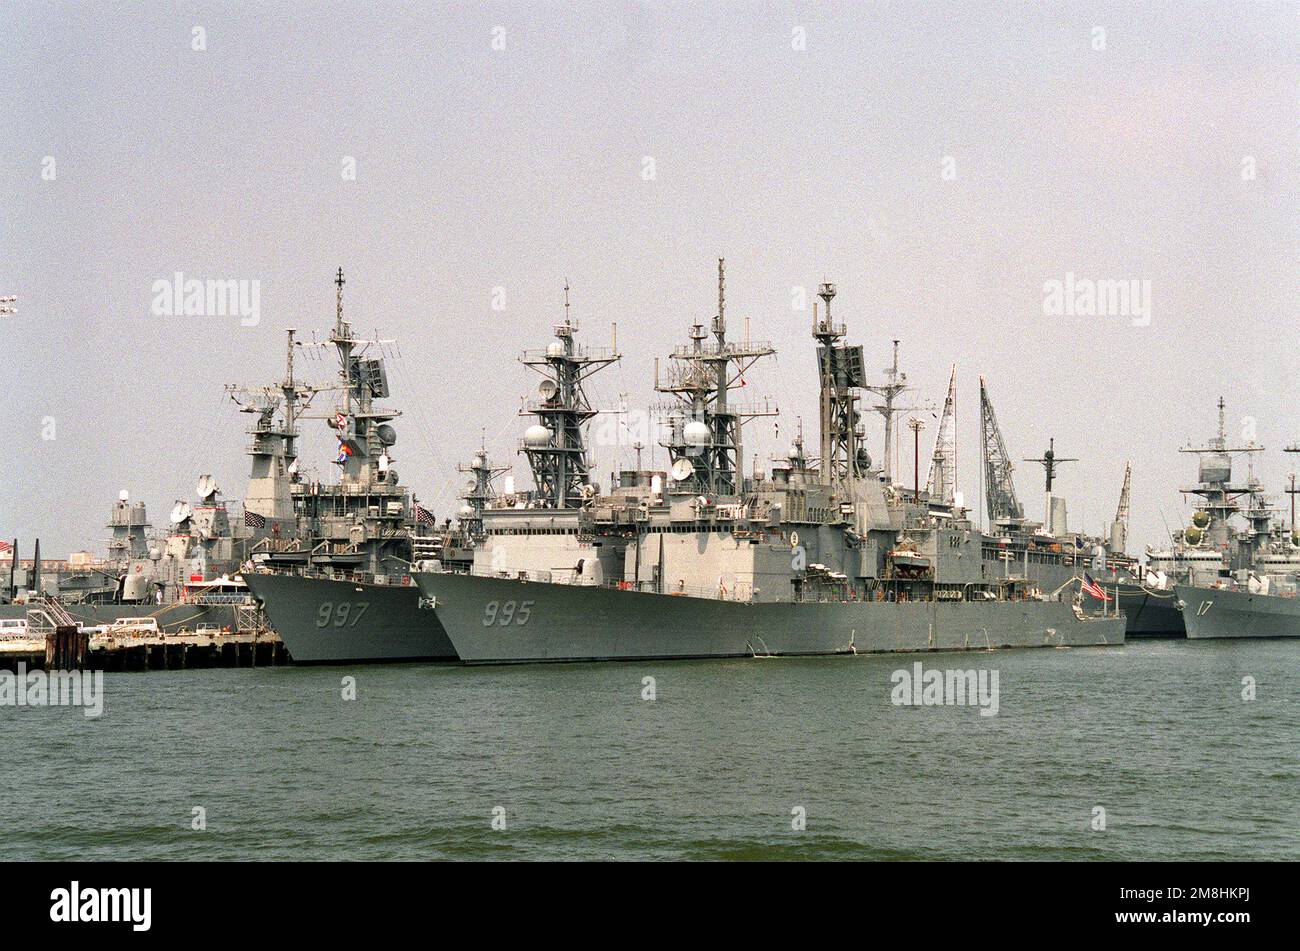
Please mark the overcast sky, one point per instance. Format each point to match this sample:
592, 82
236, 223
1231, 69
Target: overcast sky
941, 163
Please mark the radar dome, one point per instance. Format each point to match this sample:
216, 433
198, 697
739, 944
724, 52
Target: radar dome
387, 434
1201, 519
696, 433
537, 436
1193, 536
466, 511
478, 462
794, 453
555, 349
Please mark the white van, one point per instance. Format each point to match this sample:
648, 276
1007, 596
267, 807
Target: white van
13, 629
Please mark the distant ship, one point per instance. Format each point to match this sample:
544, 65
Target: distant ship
822, 557
188, 574
1255, 593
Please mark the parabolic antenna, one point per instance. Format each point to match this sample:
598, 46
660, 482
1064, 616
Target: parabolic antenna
683, 470
206, 488
548, 389
180, 512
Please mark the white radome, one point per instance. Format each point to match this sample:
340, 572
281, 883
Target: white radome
696, 433
537, 436
555, 349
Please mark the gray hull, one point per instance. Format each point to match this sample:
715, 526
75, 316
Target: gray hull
497, 621
1215, 613
1151, 613
322, 621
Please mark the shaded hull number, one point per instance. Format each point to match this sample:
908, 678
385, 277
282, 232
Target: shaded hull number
505, 613
342, 614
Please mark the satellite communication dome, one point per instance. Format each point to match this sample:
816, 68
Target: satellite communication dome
1200, 519
124, 496
696, 433
478, 462
466, 511
206, 488
536, 436
555, 349
1193, 536
387, 434
794, 453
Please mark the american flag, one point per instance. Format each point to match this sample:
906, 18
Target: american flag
6, 547
1093, 588
423, 516
253, 520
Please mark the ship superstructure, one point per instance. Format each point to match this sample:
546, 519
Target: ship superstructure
702, 561
1254, 592
339, 588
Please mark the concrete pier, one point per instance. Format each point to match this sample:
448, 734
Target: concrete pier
150, 652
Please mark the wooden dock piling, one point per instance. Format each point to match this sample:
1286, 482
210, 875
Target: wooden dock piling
66, 648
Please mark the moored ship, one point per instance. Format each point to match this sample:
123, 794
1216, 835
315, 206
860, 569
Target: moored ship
339, 590
820, 557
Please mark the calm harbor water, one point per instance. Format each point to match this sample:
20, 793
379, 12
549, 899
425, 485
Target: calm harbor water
1156, 733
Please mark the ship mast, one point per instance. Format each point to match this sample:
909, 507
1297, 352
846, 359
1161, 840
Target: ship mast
704, 428
895, 385
555, 445
478, 492
274, 447
1215, 486
1049, 461
840, 375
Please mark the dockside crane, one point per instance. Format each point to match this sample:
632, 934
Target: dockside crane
999, 488
1119, 527
943, 466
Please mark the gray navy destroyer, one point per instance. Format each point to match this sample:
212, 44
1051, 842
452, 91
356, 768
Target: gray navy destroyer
340, 588
821, 556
